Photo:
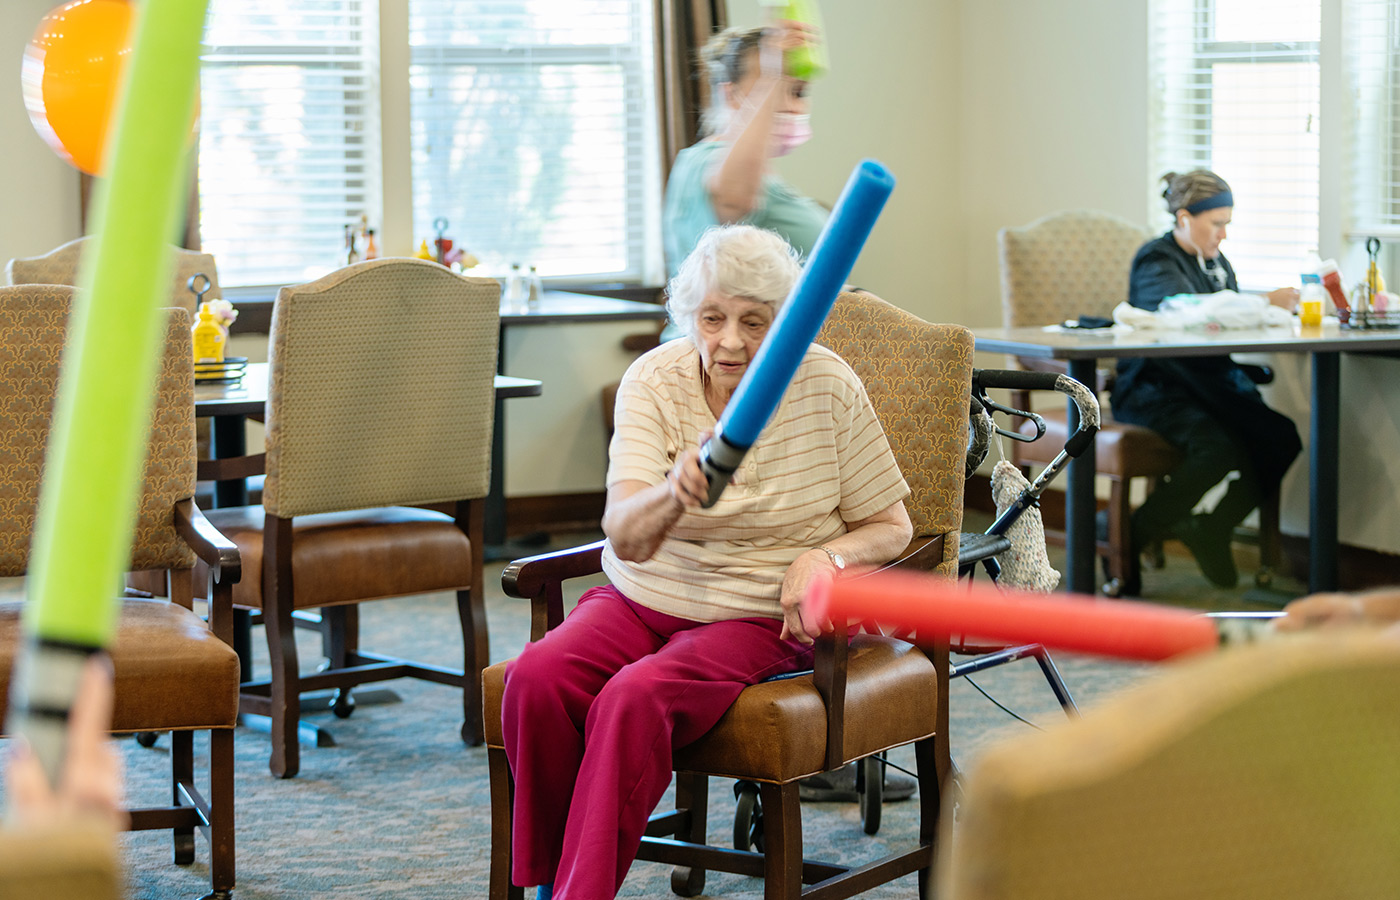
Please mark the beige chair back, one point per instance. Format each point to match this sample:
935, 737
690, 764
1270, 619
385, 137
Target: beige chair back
1066, 265
919, 378
1264, 772
60, 266
381, 388
33, 322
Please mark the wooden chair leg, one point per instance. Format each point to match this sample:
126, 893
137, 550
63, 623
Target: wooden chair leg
182, 773
692, 794
221, 812
1269, 539
782, 829
471, 609
931, 778
1122, 562
476, 655
502, 812
285, 698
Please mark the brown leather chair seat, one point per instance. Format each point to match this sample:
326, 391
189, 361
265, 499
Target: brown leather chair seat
171, 671
776, 730
399, 551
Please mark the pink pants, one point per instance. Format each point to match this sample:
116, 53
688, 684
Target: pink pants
591, 714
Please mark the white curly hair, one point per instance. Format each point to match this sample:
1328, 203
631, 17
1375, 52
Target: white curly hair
735, 260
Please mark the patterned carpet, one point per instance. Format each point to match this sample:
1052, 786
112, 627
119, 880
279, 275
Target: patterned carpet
399, 809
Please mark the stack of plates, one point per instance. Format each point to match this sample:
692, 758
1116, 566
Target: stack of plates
229, 371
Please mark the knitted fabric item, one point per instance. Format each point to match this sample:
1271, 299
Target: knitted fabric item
1026, 564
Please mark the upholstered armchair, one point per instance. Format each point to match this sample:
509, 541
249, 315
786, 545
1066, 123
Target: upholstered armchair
173, 670
873, 695
380, 399
1266, 771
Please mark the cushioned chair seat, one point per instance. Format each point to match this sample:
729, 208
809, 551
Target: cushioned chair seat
399, 551
776, 731
1121, 450
171, 672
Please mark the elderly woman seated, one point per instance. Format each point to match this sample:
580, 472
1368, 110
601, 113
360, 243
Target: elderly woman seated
703, 602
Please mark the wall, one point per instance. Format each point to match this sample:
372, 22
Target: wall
40, 206
892, 95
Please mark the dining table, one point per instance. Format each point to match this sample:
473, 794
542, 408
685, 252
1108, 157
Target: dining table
1082, 349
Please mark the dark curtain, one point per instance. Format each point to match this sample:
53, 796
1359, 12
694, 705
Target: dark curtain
683, 27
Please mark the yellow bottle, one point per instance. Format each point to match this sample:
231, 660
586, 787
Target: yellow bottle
208, 337
423, 251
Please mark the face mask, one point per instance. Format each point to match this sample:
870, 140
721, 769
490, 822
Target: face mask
790, 131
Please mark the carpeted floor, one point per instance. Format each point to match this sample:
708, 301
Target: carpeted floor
399, 809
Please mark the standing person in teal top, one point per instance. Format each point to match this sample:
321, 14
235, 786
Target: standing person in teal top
756, 112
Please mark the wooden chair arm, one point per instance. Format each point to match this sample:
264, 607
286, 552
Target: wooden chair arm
540, 579
829, 675
221, 556
923, 554
208, 543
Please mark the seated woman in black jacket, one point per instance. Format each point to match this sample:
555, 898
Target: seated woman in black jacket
1206, 406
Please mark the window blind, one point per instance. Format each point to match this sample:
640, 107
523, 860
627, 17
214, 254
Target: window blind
289, 141
1372, 60
534, 133
1236, 90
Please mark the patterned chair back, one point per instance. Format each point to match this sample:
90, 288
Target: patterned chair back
919, 378
33, 322
1260, 771
60, 266
1066, 265
381, 389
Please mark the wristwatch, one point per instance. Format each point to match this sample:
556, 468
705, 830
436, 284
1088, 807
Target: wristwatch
837, 559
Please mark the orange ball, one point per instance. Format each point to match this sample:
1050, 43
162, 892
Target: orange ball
72, 68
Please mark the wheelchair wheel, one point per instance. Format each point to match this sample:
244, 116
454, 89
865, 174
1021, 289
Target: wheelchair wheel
748, 817
871, 787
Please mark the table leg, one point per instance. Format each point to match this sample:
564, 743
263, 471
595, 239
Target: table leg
229, 439
1323, 480
495, 530
1080, 504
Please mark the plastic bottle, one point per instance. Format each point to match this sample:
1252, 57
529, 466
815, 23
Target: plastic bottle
1310, 305
352, 253
515, 287
423, 251
208, 337
536, 290
809, 61
1332, 280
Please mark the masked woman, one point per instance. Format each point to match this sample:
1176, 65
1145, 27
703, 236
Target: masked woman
756, 112
1207, 406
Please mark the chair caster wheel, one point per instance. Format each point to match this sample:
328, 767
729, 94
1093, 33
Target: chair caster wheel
147, 738
343, 704
748, 818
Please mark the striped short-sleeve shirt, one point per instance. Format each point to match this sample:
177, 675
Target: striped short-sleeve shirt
822, 461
